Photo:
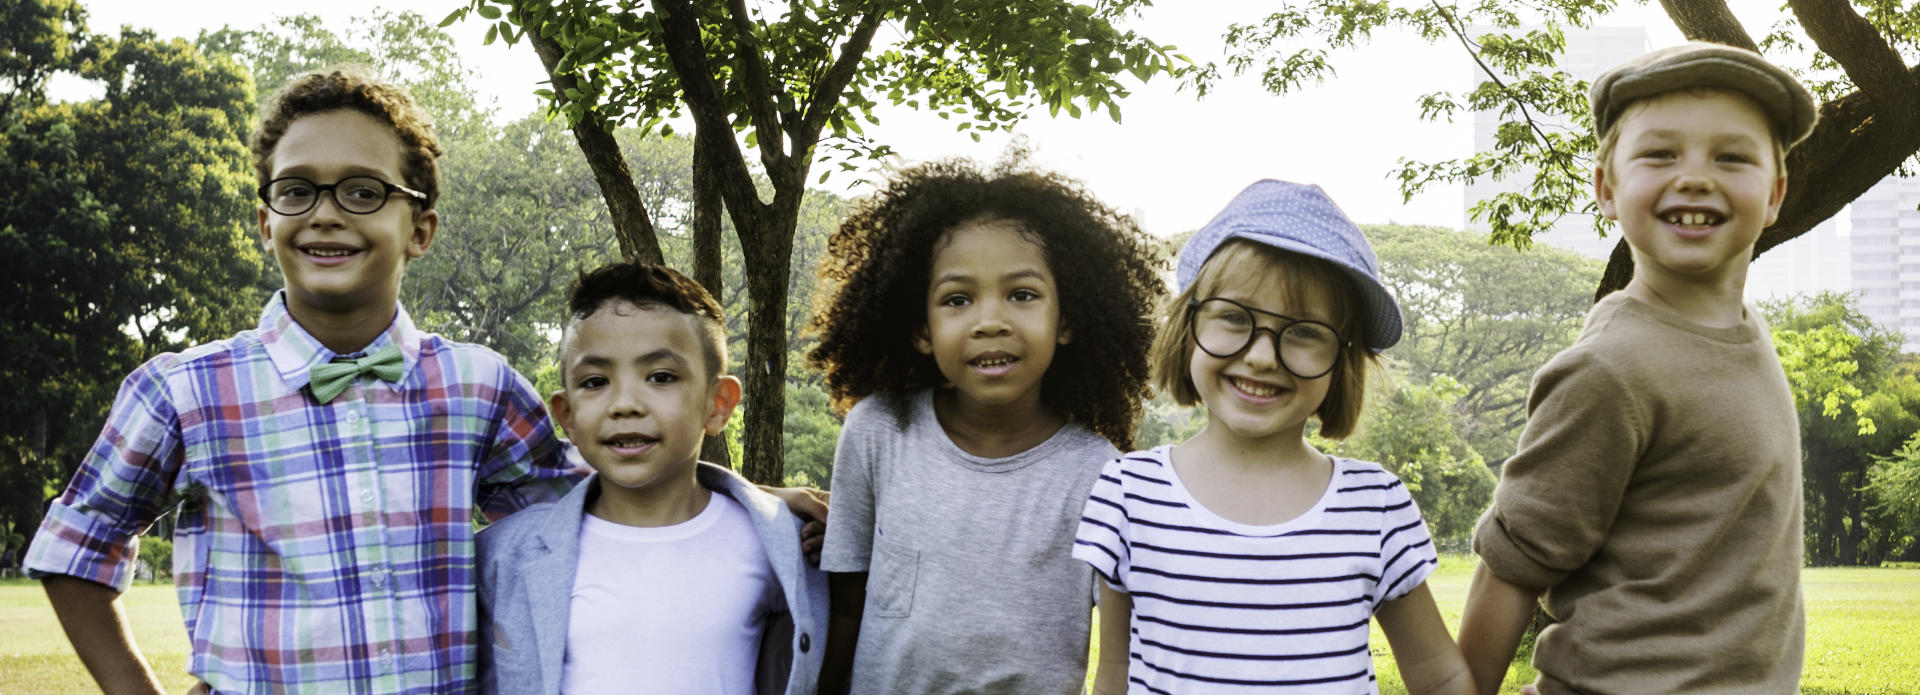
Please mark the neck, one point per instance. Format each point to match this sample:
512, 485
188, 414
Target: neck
346, 331
663, 504
994, 431
1282, 450
1717, 303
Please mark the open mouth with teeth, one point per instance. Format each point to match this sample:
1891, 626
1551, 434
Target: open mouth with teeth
1693, 218
629, 443
328, 252
1255, 388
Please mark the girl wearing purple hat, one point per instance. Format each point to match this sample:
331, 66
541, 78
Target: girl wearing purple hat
1244, 560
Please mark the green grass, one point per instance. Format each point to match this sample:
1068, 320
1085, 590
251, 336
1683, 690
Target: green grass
1862, 624
1861, 628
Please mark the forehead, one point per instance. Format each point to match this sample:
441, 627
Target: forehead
971, 247
621, 331
1702, 110
338, 143
1276, 281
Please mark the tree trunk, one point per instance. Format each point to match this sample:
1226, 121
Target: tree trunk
1856, 525
706, 258
769, 257
1831, 526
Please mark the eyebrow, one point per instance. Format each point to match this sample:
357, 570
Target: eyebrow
1021, 274
348, 171
662, 354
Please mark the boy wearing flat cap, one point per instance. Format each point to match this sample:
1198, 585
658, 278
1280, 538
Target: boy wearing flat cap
1654, 503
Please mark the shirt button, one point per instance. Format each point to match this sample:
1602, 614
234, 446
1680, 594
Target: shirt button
353, 417
366, 495
805, 643
380, 579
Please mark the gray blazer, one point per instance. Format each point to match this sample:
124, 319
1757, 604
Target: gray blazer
526, 584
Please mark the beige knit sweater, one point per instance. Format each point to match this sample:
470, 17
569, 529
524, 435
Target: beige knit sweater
1656, 498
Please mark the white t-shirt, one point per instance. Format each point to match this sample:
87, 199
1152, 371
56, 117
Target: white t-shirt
671, 609
1223, 607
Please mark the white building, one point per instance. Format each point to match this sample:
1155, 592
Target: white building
1886, 255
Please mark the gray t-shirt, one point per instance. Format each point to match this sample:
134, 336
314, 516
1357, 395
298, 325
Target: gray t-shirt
972, 584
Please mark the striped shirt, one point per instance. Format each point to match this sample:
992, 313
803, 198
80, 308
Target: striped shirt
319, 547
1222, 607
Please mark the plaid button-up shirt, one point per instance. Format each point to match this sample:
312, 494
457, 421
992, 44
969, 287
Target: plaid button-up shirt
319, 547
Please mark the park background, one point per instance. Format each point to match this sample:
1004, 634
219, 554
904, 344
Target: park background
126, 208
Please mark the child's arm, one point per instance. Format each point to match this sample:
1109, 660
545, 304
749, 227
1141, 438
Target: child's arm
809, 504
90, 613
848, 601
1497, 614
1116, 617
1429, 661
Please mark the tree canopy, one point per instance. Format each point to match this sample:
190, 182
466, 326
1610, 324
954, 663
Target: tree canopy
124, 229
783, 86
1859, 59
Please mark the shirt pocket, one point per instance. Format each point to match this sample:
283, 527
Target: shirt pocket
891, 580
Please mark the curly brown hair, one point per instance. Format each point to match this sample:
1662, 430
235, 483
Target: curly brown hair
879, 261
353, 87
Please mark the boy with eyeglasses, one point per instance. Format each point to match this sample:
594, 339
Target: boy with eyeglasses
327, 463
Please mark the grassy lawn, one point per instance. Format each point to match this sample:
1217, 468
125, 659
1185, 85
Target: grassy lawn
1861, 628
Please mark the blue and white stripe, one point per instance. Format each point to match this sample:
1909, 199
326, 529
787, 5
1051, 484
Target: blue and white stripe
1222, 607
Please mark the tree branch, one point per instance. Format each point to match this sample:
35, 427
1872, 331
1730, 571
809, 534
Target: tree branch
1874, 66
703, 99
1454, 26
760, 104
826, 93
631, 223
1709, 20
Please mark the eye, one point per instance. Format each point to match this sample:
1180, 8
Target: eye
1734, 158
293, 190
662, 377
1023, 295
592, 382
956, 300
1309, 334
1657, 154
362, 189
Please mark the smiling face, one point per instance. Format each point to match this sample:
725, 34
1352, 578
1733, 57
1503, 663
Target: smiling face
637, 398
337, 262
1251, 396
993, 315
1692, 181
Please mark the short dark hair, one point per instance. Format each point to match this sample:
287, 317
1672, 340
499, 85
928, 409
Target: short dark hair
646, 285
353, 88
875, 283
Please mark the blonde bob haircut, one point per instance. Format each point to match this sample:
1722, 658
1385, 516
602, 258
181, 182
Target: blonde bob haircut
1303, 278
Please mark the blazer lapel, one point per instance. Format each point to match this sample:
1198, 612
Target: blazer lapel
549, 578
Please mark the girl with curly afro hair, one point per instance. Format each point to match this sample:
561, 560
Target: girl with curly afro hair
999, 319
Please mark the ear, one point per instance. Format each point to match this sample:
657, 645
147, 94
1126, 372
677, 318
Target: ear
1774, 199
726, 395
561, 409
923, 340
1603, 193
266, 230
425, 225
1064, 335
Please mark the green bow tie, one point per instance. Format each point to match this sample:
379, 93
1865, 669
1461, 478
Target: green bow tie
330, 378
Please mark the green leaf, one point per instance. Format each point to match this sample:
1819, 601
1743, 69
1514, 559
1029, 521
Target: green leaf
488, 11
492, 32
452, 17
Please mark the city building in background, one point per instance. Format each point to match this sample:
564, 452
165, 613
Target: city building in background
1886, 256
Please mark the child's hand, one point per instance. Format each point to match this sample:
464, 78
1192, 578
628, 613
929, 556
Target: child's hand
809, 504
200, 688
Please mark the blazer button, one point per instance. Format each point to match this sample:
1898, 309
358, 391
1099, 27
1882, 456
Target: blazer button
805, 643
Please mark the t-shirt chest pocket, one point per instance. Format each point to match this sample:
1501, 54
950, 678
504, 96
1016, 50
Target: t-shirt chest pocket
891, 578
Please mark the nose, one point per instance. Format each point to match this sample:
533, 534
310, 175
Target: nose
326, 209
1694, 179
991, 320
626, 400
1263, 352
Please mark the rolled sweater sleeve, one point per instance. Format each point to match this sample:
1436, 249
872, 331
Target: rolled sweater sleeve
1559, 493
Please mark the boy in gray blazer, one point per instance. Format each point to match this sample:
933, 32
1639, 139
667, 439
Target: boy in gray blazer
660, 573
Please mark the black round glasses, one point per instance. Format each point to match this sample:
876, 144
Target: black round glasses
360, 195
1224, 328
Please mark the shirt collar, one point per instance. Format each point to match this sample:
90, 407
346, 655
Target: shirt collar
294, 351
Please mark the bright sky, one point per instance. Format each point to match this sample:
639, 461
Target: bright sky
1173, 162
